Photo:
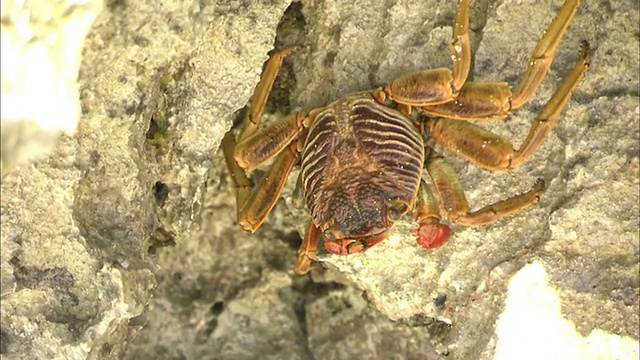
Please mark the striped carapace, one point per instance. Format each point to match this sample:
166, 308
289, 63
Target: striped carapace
361, 169
362, 157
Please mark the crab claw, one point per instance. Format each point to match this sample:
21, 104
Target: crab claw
432, 233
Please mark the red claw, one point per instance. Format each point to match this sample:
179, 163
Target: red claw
432, 233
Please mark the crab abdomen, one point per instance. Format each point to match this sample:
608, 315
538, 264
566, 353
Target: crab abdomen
359, 157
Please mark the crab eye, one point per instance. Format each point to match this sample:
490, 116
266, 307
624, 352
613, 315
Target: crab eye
329, 235
397, 210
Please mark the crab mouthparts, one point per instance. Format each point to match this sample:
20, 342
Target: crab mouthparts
352, 246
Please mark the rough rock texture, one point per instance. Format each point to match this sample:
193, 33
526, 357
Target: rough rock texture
139, 203
41, 46
584, 231
77, 228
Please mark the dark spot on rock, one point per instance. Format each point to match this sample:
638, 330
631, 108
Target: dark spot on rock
217, 307
160, 192
335, 32
35, 278
111, 113
115, 4
292, 239
330, 58
438, 328
94, 158
484, 66
277, 261
161, 238
131, 108
419, 320
141, 41
140, 320
4, 341
105, 349
440, 300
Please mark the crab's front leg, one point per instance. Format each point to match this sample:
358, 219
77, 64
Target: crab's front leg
486, 101
308, 249
431, 232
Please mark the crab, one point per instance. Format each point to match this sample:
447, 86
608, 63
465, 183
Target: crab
362, 157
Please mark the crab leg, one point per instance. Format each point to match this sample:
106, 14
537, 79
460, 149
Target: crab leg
264, 196
461, 46
454, 203
254, 148
253, 205
544, 52
263, 145
548, 118
436, 86
487, 101
261, 93
493, 152
431, 232
307, 252
497, 211
238, 176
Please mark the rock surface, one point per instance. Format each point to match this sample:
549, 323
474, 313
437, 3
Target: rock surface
139, 255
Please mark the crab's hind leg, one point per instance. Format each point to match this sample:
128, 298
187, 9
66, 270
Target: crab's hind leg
435, 86
493, 152
486, 101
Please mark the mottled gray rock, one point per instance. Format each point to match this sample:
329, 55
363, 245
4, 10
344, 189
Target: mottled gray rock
41, 46
585, 230
159, 87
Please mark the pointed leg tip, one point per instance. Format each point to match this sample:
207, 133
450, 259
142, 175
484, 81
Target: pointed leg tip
586, 52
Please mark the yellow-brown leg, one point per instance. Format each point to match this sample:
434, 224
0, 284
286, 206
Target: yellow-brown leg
255, 150
491, 151
264, 195
494, 100
544, 52
431, 232
308, 249
277, 140
254, 147
497, 211
547, 119
436, 86
454, 204
261, 93
240, 180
